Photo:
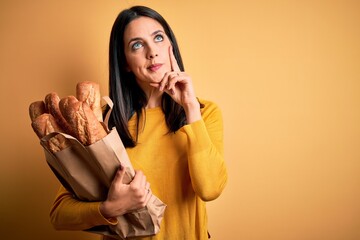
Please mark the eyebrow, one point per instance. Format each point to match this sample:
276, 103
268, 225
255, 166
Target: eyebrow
139, 38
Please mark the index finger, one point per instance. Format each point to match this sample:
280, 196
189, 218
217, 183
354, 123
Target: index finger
173, 62
139, 178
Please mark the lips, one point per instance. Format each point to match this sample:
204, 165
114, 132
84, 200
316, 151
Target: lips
154, 67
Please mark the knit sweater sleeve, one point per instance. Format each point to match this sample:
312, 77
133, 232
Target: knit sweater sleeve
205, 153
68, 213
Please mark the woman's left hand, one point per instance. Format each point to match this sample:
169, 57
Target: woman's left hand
180, 87
177, 84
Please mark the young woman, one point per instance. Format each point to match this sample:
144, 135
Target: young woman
173, 139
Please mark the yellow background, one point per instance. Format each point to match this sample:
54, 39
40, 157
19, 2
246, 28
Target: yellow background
285, 73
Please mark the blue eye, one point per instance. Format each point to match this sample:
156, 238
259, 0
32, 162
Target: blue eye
137, 45
159, 38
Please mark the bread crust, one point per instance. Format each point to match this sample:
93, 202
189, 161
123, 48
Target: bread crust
89, 92
52, 101
82, 120
36, 109
45, 124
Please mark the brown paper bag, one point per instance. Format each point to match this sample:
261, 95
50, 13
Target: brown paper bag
87, 172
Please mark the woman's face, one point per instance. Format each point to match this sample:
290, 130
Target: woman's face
147, 50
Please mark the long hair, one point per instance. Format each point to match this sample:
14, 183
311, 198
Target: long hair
127, 96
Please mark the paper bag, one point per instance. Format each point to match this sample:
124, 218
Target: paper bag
87, 172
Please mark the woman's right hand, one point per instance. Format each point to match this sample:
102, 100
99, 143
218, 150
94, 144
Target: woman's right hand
123, 198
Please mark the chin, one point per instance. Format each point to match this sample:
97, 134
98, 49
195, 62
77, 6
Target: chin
157, 78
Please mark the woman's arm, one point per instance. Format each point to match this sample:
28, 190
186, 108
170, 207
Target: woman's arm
204, 133
68, 213
205, 153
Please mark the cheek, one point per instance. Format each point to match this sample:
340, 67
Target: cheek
133, 62
166, 57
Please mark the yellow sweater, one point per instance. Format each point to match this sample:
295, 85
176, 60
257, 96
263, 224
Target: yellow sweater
185, 169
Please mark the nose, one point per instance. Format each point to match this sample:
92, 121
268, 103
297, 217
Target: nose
151, 56
152, 53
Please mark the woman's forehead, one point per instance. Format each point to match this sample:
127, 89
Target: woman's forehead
142, 26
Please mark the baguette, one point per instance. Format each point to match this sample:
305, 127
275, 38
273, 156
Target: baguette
82, 120
36, 109
45, 124
52, 104
89, 92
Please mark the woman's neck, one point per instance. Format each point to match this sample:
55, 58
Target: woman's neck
154, 100
153, 95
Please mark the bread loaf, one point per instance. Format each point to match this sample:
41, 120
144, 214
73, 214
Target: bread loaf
52, 104
82, 120
45, 124
36, 109
89, 92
